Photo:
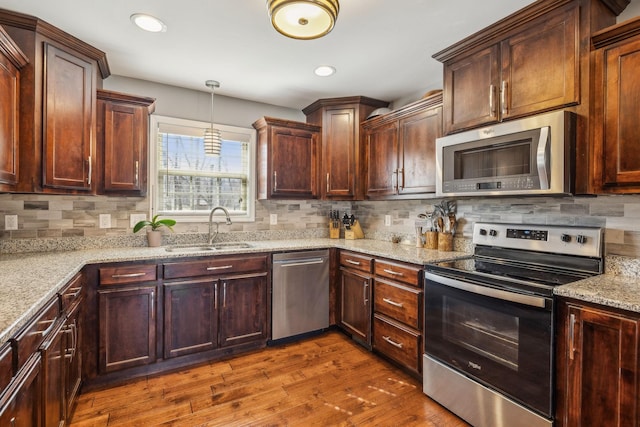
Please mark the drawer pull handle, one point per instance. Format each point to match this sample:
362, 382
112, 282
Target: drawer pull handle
352, 262
127, 276
45, 332
76, 292
396, 304
222, 267
392, 342
394, 273
572, 337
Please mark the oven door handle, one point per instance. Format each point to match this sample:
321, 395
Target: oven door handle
530, 300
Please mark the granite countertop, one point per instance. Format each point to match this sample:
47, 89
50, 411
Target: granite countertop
608, 290
28, 281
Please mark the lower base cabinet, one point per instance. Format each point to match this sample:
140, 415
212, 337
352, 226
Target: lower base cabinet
20, 405
53, 375
243, 314
598, 366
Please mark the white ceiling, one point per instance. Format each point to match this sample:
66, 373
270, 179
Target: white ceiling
380, 48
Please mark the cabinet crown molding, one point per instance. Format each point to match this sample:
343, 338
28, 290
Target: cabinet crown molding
616, 33
11, 50
329, 102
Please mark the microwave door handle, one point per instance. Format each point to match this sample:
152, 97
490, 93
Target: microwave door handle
541, 158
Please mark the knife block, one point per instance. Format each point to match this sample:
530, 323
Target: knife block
334, 232
354, 232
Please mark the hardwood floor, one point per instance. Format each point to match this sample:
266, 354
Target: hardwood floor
323, 381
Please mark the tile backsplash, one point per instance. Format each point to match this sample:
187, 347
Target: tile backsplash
73, 221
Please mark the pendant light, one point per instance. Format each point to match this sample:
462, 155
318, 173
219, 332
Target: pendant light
303, 19
212, 137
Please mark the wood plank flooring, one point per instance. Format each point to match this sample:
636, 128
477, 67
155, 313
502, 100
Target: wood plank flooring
322, 381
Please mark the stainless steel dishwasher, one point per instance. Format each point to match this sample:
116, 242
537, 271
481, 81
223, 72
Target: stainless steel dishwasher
300, 293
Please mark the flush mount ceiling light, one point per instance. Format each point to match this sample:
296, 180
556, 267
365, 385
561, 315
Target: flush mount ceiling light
212, 137
303, 19
148, 23
324, 71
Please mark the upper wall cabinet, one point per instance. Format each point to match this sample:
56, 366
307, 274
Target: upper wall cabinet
342, 159
615, 161
122, 134
535, 60
400, 150
11, 61
57, 107
287, 159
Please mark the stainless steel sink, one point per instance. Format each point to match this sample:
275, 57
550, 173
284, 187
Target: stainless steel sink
205, 247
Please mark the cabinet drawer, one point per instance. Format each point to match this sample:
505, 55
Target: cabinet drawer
356, 262
211, 266
34, 333
6, 366
402, 272
71, 294
127, 274
399, 302
397, 342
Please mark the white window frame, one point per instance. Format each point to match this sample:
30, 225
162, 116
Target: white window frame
250, 134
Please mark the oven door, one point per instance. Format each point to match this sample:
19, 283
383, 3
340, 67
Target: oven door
500, 338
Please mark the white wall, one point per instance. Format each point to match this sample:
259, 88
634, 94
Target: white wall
631, 11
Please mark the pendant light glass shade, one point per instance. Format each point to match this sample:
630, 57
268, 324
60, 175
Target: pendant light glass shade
303, 19
212, 136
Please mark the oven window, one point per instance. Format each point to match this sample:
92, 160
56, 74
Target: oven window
492, 334
513, 158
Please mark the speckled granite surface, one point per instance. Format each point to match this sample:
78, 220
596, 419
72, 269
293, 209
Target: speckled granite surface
614, 291
29, 280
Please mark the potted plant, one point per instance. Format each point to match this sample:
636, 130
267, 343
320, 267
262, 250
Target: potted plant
154, 235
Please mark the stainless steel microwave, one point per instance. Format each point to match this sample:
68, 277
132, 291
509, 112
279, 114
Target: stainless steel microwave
530, 156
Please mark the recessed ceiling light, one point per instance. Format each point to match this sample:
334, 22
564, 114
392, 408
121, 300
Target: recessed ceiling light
324, 71
148, 23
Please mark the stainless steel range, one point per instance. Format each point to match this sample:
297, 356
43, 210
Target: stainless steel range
489, 321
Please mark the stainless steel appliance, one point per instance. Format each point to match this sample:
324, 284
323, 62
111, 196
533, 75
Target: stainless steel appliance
489, 317
533, 155
300, 299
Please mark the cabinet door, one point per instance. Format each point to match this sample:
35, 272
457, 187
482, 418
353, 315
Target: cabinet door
9, 121
68, 120
621, 106
540, 67
293, 163
382, 157
73, 357
125, 144
243, 310
339, 154
190, 317
53, 368
602, 373
127, 328
471, 90
355, 299
417, 151
21, 405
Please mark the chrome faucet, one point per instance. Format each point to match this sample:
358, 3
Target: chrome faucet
211, 235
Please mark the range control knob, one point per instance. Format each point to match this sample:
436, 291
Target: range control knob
483, 232
565, 238
493, 233
581, 239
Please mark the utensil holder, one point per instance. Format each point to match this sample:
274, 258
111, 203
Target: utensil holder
431, 240
445, 242
334, 232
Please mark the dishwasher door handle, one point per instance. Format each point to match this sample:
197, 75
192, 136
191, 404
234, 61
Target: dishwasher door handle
299, 263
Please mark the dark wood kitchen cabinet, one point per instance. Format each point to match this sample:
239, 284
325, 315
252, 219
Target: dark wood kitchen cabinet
598, 372
11, 61
342, 159
20, 405
398, 312
400, 150
534, 67
122, 135
355, 296
72, 299
287, 159
57, 107
615, 162
226, 299
53, 352
127, 301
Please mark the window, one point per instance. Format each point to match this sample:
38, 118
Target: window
188, 183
